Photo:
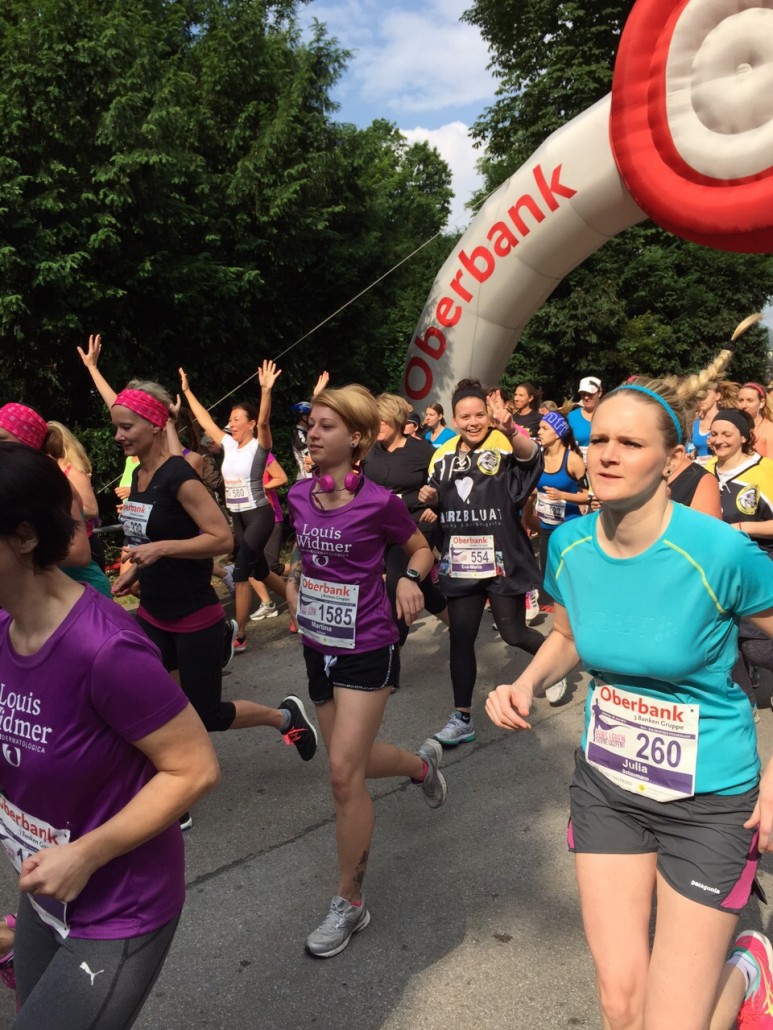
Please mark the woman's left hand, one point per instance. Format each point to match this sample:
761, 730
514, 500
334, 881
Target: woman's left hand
409, 600
174, 408
268, 374
60, 872
553, 494
428, 515
762, 816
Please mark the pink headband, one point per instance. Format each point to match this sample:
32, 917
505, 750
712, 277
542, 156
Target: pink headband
144, 404
756, 386
24, 424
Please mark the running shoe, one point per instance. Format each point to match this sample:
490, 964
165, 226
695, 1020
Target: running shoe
342, 921
266, 611
456, 731
301, 731
229, 641
434, 783
557, 692
532, 605
186, 821
7, 974
756, 1013
240, 645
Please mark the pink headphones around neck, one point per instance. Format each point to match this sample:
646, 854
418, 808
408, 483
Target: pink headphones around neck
327, 484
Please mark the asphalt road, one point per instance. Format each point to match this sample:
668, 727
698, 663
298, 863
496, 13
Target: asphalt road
475, 920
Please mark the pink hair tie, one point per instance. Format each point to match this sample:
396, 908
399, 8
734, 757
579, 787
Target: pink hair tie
24, 424
145, 405
756, 386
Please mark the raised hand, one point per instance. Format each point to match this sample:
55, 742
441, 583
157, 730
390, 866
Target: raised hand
90, 357
268, 374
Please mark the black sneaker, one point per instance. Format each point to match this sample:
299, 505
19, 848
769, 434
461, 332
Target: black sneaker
301, 731
229, 640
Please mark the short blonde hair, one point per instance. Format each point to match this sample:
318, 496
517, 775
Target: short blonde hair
393, 409
359, 411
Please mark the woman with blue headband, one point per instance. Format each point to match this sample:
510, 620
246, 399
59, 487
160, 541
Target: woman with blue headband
666, 799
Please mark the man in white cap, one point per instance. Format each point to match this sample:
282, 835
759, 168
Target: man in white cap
579, 418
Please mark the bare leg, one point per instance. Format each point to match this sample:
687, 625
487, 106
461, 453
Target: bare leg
730, 995
261, 590
616, 898
248, 713
691, 943
349, 726
243, 594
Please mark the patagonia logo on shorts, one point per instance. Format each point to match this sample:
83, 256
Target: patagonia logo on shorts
703, 887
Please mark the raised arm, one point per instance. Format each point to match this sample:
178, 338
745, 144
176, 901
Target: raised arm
268, 374
90, 359
200, 412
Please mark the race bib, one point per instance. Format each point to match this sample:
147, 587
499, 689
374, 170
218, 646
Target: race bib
134, 518
472, 557
327, 612
23, 835
552, 513
644, 745
237, 493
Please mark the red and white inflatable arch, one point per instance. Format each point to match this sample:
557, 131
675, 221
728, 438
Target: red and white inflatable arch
686, 138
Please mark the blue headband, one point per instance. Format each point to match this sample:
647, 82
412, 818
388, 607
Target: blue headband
557, 423
663, 403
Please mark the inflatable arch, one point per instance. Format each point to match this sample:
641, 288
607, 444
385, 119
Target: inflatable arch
685, 138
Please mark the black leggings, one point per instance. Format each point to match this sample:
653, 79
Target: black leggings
396, 562
253, 531
464, 615
75, 983
198, 658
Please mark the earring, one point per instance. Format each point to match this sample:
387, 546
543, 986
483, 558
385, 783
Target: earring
352, 444
667, 472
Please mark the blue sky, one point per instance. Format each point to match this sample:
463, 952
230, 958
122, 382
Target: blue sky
417, 65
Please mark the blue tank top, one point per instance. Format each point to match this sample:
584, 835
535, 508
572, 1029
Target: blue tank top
701, 440
553, 513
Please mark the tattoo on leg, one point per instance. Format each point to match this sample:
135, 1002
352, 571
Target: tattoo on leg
359, 872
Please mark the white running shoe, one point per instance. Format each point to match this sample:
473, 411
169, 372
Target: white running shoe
266, 611
456, 731
532, 605
557, 692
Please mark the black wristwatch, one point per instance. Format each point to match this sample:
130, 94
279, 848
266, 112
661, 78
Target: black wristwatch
413, 575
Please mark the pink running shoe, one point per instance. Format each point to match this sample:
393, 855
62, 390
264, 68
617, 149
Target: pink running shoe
7, 974
756, 1013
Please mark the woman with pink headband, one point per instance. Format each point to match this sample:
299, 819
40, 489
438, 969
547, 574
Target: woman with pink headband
754, 400
24, 425
173, 529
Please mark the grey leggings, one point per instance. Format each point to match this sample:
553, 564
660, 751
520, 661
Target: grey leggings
79, 984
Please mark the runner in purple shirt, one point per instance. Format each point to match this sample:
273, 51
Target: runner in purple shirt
101, 752
338, 599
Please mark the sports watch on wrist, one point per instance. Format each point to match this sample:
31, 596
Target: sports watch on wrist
413, 575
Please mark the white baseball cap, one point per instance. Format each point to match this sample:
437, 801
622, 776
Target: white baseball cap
590, 384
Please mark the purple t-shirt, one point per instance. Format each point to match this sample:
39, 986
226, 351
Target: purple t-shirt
68, 715
343, 605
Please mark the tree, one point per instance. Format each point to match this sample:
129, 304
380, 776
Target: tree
646, 302
173, 177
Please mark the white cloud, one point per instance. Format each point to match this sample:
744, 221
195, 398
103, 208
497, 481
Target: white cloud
455, 146
410, 55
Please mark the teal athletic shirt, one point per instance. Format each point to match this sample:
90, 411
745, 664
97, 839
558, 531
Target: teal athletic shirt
665, 625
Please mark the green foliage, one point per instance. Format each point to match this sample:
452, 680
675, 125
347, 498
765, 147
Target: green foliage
647, 302
172, 177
